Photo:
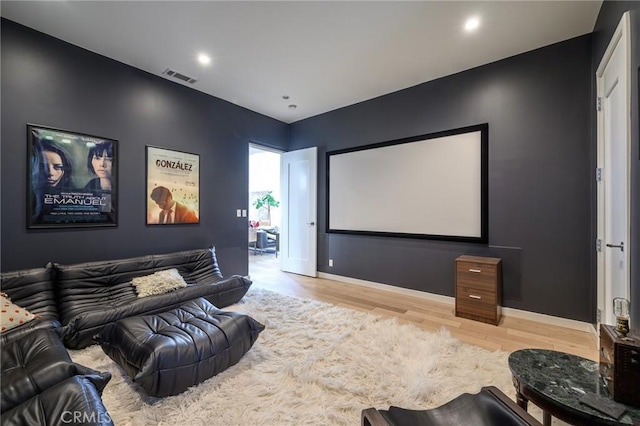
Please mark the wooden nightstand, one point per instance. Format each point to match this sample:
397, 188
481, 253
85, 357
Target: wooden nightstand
479, 288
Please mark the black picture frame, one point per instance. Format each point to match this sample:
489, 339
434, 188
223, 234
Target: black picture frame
72, 179
172, 190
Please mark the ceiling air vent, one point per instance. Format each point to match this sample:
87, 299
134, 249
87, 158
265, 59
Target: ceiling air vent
178, 76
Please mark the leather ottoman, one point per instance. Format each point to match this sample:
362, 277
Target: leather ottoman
169, 352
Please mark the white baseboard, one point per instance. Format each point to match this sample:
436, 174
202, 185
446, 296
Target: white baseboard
511, 312
388, 287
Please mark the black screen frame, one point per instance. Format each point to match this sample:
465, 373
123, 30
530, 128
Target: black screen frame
484, 184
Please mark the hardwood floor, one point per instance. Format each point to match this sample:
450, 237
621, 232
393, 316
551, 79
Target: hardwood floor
511, 334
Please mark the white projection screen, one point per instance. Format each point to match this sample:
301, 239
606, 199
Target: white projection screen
429, 186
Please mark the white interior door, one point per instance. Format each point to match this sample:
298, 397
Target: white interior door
614, 129
298, 235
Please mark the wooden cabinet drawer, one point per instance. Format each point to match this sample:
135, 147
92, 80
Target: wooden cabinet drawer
478, 288
475, 294
476, 269
477, 311
476, 273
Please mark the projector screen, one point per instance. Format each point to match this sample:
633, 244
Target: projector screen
429, 186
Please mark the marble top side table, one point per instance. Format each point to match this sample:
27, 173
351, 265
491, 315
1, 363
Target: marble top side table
556, 381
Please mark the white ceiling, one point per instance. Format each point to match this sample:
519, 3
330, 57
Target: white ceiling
322, 54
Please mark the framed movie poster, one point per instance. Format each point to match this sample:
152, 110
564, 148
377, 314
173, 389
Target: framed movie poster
72, 179
173, 187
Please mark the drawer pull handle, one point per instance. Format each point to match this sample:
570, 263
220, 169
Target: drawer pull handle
477, 271
473, 296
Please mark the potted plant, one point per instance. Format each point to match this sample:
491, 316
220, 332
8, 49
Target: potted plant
267, 201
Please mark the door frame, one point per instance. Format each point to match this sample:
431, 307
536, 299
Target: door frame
621, 34
256, 145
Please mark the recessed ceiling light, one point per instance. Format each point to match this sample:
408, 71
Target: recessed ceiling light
204, 59
293, 106
472, 24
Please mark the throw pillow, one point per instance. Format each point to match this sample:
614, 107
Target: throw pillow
12, 315
158, 282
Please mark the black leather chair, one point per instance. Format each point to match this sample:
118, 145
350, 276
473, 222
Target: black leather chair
488, 407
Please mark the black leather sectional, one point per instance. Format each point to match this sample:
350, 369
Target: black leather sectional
32, 289
42, 386
39, 382
91, 295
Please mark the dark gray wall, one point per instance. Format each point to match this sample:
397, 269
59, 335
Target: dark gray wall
49, 82
607, 22
539, 109
542, 155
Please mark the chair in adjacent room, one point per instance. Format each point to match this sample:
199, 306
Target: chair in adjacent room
265, 244
253, 238
488, 407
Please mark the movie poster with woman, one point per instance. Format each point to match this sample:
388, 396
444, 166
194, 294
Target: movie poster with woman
173, 187
72, 179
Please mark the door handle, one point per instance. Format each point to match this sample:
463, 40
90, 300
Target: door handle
311, 223
620, 246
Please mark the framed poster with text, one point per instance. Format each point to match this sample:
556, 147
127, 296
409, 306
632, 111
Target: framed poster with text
71, 178
173, 187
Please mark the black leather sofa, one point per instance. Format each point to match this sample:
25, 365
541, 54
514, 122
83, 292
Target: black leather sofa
32, 289
42, 386
39, 382
92, 295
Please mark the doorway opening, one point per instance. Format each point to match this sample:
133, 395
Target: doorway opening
264, 213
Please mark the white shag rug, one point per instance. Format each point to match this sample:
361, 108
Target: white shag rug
314, 364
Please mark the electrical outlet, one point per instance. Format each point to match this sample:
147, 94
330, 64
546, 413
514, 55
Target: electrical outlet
244, 213
239, 213
330, 263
